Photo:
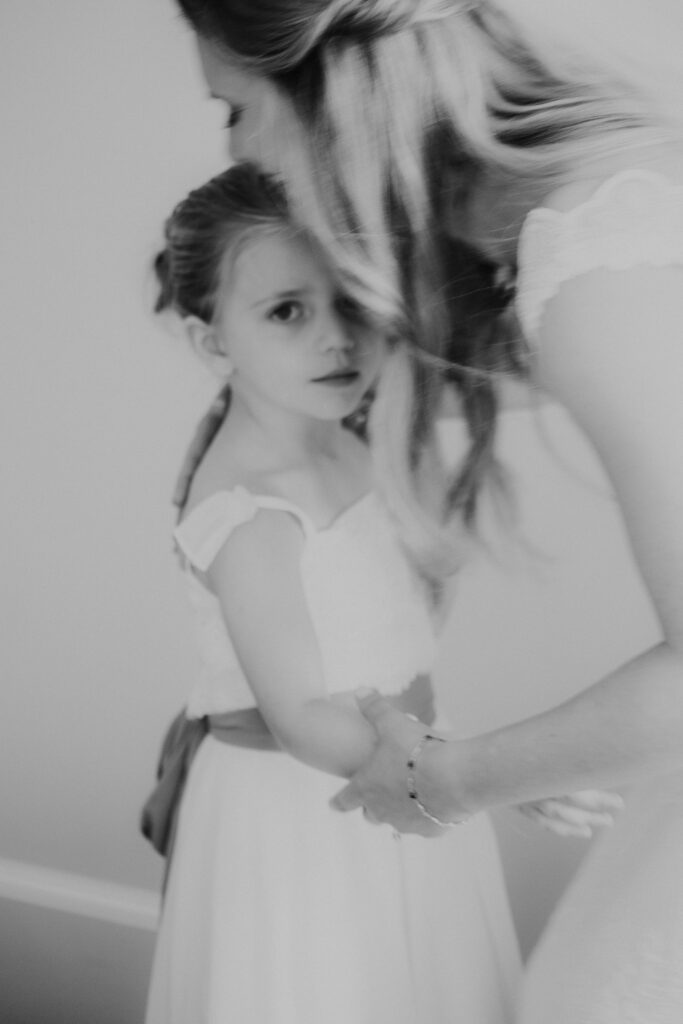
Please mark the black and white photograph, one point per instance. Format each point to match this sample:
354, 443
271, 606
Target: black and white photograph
342, 530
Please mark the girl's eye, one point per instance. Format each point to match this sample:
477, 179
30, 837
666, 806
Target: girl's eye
287, 312
233, 117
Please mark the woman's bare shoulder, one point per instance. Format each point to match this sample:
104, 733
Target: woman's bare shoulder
580, 185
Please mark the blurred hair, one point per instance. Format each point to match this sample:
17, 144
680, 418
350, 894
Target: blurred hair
389, 112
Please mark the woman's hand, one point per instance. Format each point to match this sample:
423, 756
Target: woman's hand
380, 787
576, 814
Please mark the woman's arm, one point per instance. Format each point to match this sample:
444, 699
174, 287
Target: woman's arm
611, 349
257, 578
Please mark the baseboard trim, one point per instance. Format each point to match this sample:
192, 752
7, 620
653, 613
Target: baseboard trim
79, 894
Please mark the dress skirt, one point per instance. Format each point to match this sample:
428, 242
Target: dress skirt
279, 910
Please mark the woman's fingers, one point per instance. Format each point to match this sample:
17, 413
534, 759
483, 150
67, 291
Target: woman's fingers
377, 709
380, 786
575, 815
550, 823
596, 800
394, 728
590, 808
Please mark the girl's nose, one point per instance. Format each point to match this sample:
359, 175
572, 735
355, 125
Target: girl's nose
336, 335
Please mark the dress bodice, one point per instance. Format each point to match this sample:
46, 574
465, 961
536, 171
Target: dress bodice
634, 217
369, 608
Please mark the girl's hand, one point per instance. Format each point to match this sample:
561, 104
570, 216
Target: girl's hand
380, 786
576, 814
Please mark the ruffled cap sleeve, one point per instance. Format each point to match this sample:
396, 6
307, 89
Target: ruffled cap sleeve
204, 531
634, 218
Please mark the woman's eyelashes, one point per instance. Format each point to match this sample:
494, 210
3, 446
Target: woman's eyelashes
234, 116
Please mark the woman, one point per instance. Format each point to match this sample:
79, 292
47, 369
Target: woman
552, 144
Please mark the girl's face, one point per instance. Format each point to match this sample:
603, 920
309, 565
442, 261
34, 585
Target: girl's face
290, 336
252, 102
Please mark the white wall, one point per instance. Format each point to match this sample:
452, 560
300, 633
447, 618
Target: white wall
104, 126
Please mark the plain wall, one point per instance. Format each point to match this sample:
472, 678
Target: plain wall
104, 127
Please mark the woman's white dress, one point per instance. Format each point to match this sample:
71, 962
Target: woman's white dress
279, 910
613, 951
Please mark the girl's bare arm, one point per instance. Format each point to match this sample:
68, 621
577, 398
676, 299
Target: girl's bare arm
257, 579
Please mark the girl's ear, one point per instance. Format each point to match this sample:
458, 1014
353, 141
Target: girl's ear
203, 339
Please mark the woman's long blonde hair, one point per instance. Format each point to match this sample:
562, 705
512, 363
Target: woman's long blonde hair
386, 114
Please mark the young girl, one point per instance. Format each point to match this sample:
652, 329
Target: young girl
278, 910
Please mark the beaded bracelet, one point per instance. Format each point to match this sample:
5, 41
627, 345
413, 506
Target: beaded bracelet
412, 789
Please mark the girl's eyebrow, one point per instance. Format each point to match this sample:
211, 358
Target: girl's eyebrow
290, 293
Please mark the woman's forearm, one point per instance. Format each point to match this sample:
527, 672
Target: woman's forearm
623, 728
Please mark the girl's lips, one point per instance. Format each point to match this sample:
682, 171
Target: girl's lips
339, 379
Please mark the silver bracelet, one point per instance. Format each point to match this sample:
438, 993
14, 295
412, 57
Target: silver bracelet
412, 789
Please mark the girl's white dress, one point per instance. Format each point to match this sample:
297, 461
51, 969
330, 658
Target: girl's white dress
281, 911
613, 951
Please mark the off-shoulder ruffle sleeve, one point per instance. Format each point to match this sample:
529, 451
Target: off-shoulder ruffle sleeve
634, 218
204, 531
